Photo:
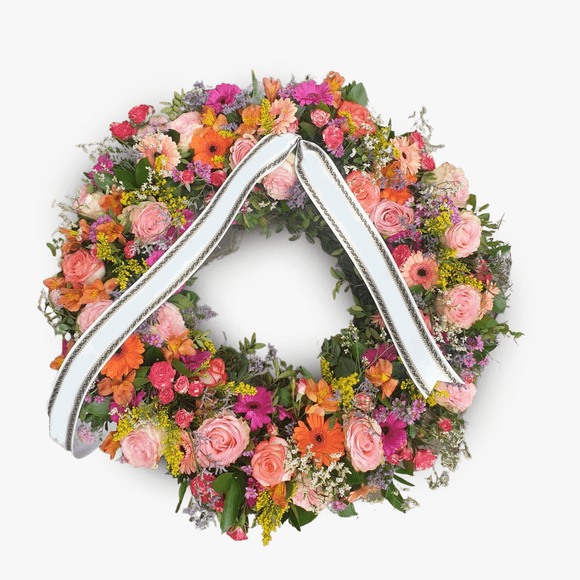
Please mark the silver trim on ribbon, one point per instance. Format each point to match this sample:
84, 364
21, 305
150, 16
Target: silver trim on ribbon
340, 209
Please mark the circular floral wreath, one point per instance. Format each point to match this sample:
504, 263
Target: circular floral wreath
250, 439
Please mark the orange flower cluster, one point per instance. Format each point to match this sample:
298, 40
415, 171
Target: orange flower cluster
73, 298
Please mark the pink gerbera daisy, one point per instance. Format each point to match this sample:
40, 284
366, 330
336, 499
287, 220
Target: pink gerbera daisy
222, 96
255, 408
309, 93
409, 155
156, 146
419, 269
284, 114
394, 435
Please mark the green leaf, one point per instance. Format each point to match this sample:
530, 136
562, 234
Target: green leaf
103, 180
403, 481
126, 177
182, 489
358, 94
309, 129
499, 303
222, 483
299, 517
152, 355
348, 511
175, 135
142, 171
345, 367
181, 368
233, 501
393, 496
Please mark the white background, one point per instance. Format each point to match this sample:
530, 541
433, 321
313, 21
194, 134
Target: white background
499, 83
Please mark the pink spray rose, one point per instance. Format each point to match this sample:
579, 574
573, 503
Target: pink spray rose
365, 189
465, 236
268, 462
424, 459
241, 148
456, 398
150, 220
181, 385
81, 267
390, 217
90, 313
460, 305
140, 113
143, 446
221, 440
362, 439
278, 182
161, 375
333, 137
183, 418
237, 534
453, 180
319, 117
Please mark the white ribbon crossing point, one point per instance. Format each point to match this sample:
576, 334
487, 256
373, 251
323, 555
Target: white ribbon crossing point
340, 209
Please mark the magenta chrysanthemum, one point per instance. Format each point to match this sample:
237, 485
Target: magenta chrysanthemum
256, 408
309, 93
222, 96
394, 435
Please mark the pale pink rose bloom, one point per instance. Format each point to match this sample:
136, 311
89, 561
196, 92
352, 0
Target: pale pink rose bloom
81, 267
169, 323
367, 192
221, 440
241, 148
362, 439
150, 220
460, 396
181, 385
87, 204
490, 292
143, 447
278, 182
454, 182
185, 125
268, 462
90, 312
390, 217
306, 497
460, 305
465, 236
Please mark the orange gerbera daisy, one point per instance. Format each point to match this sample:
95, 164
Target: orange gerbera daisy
380, 375
323, 442
210, 147
127, 358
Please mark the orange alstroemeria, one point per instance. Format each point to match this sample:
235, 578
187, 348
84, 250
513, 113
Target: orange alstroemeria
397, 194
74, 238
323, 397
98, 291
110, 446
71, 298
55, 283
177, 346
271, 87
380, 375
335, 82
121, 389
112, 231
57, 362
279, 494
250, 120
112, 201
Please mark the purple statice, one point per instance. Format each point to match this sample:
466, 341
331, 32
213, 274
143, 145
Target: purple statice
255, 364
287, 92
272, 352
418, 407
255, 408
381, 477
196, 98
231, 127
222, 96
309, 93
401, 409
93, 229
201, 169
297, 196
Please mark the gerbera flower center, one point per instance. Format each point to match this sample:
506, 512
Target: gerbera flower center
422, 272
314, 97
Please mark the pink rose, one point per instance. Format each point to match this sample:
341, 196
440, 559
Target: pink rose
218, 177
363, 402
445, 425
424, 459
237, 534
150, 221
81, 267
278, 182
333, 137
362, 439
417, 138
241, 148
268, 462
140, 113
183, 418
195, 388
460, 305
360, 116
161, 375
453, 180
166, 395
185, 125
87, 204
365, 189
169, 323
215, 374
130, 250
456, 398
319, 117
202, 489
90, 313
181, 385
427, 162
143, 446
221, 440
465, 236
390, 217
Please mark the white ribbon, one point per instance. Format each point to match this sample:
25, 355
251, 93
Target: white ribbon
340, 209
